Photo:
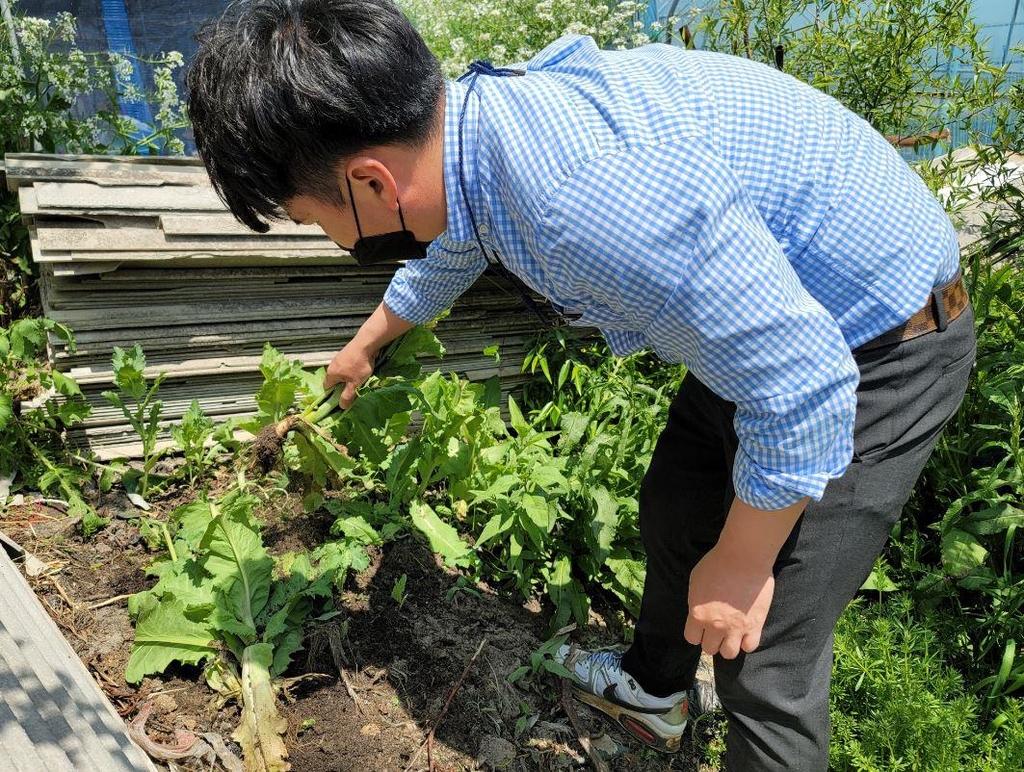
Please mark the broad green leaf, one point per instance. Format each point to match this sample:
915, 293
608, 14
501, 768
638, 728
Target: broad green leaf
879, 581
548, 477
606, 520
372, 411
993, 519
72, 411
1005, 393
275, 398
516, 418
65, 385
496, 526
574, 425
358, 529
286, 644
443, 538
961, 553
501, 485
192, 520
629, 581
564, 591
333, 458
541, 512
238, 564
27, 336
399, 358
164, 634
335, 558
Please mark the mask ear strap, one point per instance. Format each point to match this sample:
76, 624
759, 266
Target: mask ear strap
401, 219
352, 201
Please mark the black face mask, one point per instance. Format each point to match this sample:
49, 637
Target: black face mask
385, 247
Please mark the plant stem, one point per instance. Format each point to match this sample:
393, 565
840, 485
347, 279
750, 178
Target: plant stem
167, 540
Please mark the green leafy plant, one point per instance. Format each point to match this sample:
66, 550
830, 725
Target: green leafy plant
896, 64
37, 404
138, 402
224, 602
57, 98
398, 592
192, 435
898, 704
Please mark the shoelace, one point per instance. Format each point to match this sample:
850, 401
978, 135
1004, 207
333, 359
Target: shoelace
607, 659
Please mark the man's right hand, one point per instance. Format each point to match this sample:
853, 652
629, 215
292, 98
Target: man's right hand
353, 365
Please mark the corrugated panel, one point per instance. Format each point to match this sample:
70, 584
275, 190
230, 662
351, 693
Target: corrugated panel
142, 251
53, 716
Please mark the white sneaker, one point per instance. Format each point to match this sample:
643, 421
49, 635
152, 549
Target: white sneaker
599, 680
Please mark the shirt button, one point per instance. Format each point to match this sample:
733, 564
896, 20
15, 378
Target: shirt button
484, 230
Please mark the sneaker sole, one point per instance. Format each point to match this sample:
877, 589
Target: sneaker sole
636, 724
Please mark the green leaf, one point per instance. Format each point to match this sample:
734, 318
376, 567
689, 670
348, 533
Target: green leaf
629, 580
65, 385
498, 487
238, 565
516, 419
605, 522
541, 512
6, 409
129, 367
164, 634
495, 526
336, 558
879, 581
574, 426
993, 520
961, 553
399, 358
192, 520
443, 538
27, 336
548, 477
565, 592
371, 411
357, 529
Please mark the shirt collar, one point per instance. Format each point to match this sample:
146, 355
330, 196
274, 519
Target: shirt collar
459, 234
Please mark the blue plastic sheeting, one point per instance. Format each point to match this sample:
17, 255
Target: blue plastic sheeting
119, 41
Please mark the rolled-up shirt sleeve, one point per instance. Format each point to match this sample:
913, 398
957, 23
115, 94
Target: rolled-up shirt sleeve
686, 254
422, 289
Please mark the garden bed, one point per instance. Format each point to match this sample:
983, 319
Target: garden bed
385, 679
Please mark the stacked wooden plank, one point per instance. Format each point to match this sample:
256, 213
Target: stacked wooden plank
141, 250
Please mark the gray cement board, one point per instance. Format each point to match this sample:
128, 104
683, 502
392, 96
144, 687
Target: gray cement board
53, 716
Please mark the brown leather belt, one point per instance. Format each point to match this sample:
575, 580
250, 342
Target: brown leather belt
945, 304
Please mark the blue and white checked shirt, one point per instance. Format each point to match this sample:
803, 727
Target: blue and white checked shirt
711, 208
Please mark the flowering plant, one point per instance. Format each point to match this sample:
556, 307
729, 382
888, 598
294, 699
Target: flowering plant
459, 31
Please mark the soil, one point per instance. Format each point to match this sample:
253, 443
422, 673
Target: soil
389, 665
266, 448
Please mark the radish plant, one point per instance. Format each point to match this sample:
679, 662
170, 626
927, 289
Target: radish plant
223, 602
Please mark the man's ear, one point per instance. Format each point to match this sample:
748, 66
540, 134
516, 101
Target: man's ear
370, 178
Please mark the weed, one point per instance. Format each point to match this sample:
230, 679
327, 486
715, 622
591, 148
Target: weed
143, 411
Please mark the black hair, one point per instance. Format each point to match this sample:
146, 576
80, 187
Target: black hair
281, 91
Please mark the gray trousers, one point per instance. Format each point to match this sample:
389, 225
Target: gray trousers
776, 698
